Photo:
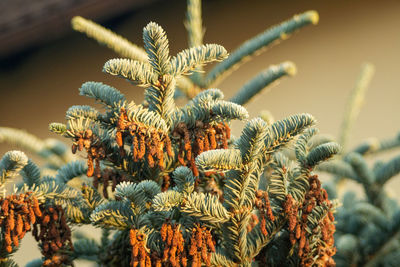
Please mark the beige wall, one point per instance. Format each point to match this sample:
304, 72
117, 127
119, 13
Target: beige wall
328, 57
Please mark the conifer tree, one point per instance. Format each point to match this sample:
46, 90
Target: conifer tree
169, 186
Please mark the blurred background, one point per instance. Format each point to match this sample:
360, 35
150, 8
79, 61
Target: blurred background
43, 63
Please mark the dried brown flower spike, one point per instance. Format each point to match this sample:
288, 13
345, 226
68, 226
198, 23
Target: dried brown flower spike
54, 236
264, 206
140, 255
17, 214
194, 141
201, 246
174, 253
146, 141
316, 196
95, 152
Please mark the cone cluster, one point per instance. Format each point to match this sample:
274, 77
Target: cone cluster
17, 214
194, 141
147, 142
95, 152
140, 255
174, 253
54, 236
201, 246
323, 253
263, 204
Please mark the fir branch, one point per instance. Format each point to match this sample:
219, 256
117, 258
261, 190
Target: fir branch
208, 110
374, 145
87, 249
71, 170
190, 59
161, 98
364, 173
139, 114
298, 176
91, 196
237, 234
240, 187
123, 47
319, 139
367, 178
167, 200
57, 147
378, 246
233, 190
346, 244
78, 125
207, 95
139, 73
262, 80
281, 132
371, 214
279, 179
112, 214
392, 257
78, 111
31, 174
113, 41
348, 200
206, 208
128, 190
354, 103
229, 111
314, 230
321, 153
150, 189
11, 164
317, 214
298, 184
258, 43
157, 48
388, 170
21, 138
193, 23
301, 148
184, 180
60, 194
338, 168
107, 95
76, 213
58, 128
194, 27
251, 141
30, 143
234, 234
139, 195
199, 108
219, 258
219, 160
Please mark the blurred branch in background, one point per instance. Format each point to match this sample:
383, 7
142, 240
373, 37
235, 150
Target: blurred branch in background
25, 24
